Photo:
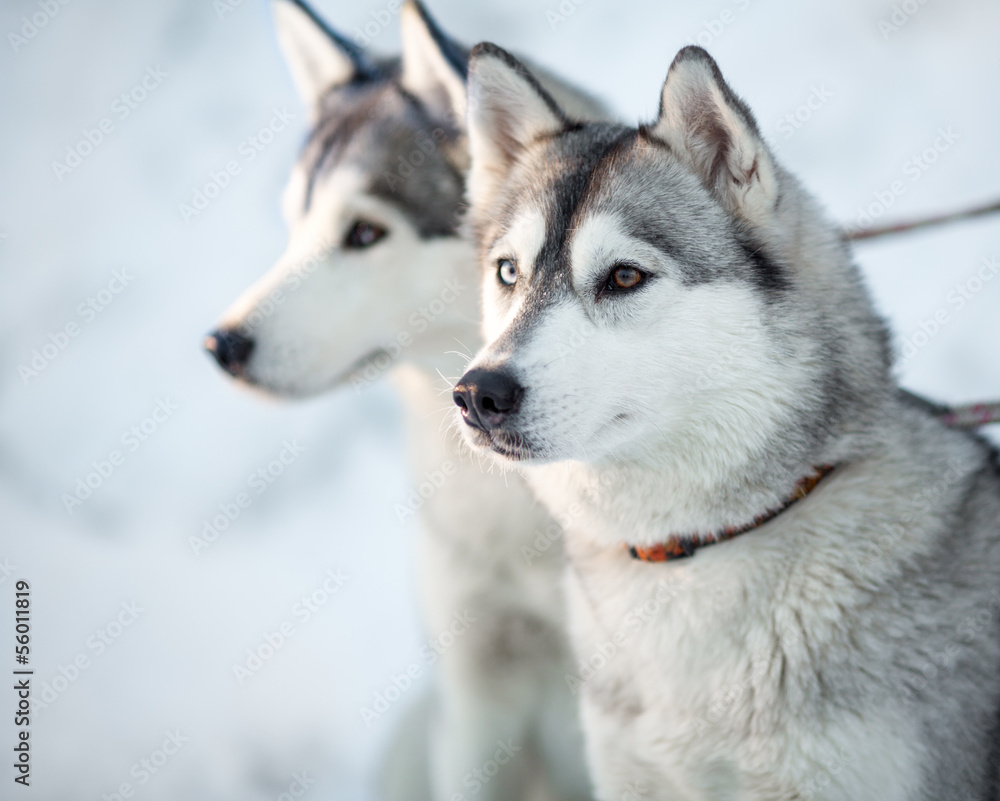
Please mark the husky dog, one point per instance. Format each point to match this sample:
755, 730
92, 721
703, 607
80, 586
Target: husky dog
784, 575
376, 276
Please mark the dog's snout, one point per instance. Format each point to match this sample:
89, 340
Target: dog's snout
230, 348
486, 397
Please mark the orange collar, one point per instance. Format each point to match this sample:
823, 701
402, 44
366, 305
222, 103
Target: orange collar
684, 545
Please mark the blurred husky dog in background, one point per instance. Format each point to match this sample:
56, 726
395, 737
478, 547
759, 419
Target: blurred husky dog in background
784, 574
376, 276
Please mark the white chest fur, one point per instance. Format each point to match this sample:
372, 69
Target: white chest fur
739, 673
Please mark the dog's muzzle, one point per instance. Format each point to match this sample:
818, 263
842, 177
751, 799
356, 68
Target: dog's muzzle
487, 398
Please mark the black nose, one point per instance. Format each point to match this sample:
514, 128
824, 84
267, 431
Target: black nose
231, 349
486, 397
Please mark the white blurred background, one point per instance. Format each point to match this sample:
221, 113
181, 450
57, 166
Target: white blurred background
879, 97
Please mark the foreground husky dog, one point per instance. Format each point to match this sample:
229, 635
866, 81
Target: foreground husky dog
376, 276
784, 576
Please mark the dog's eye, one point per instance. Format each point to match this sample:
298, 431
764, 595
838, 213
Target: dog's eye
506, 272
363, 234
624, 276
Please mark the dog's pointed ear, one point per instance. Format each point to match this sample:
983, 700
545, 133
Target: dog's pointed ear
708, 126
508, 110
435, 66
319, 58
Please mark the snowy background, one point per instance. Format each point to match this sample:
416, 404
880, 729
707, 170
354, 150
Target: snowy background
880, 97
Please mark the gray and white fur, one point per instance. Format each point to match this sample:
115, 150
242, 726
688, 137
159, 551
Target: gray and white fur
376, 279
676, 335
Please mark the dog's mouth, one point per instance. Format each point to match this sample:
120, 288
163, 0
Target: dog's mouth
510, 445
369, 368
362, 372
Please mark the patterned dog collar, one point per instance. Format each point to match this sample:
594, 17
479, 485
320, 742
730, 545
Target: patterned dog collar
682, 546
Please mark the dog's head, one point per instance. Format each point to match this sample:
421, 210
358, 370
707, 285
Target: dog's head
662, 285
372, 208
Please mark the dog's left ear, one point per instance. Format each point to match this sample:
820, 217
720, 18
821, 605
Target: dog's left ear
435, 67
707, 125
508, 110
318, 57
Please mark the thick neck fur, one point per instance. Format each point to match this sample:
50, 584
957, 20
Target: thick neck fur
659, 491
741, 454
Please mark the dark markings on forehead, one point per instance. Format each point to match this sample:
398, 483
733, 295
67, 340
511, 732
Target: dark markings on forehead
383, 125
659, 202
565, 195
701, 261
432, 193
568, 193
647, 230
673, 212
344, 111
747, 259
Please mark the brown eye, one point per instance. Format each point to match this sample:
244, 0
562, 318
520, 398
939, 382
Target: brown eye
363, 234
624, 276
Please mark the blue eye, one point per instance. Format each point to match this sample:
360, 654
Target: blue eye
507, 272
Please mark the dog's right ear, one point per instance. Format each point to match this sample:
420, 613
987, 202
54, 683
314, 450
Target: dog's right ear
435, 66
319, 58
705, 124
507, 111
